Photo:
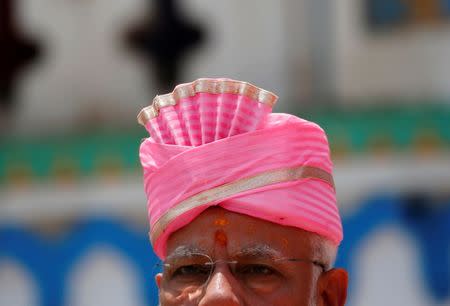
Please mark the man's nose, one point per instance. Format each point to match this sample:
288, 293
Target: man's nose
221, 290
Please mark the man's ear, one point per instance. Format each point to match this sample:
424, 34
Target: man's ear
332, 288
158, 280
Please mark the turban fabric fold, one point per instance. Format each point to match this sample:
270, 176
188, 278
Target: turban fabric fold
216, 142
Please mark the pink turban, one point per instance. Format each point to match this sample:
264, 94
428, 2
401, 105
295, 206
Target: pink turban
216, 142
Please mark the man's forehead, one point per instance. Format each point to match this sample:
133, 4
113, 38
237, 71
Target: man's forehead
238, 233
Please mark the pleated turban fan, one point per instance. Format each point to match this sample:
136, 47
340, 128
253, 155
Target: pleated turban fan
216, 142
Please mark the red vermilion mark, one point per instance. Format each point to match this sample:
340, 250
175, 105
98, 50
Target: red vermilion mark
221, 238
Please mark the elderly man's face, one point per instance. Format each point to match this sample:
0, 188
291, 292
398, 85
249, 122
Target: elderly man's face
225, 258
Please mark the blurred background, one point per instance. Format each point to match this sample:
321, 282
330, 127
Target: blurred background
74, 74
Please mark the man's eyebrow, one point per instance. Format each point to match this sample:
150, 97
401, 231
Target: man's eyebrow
185, 250
258, 251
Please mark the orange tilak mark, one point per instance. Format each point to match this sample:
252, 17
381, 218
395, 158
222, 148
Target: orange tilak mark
221, 222
221, 238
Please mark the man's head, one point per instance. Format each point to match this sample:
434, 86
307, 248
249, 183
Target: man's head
241, 201
256, 263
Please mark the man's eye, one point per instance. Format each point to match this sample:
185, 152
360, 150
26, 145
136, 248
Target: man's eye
254, 269
191, 270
